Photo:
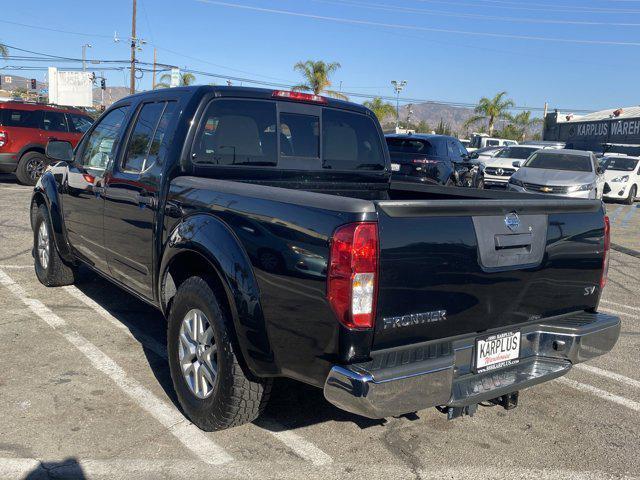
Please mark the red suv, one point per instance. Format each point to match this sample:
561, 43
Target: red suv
25, 130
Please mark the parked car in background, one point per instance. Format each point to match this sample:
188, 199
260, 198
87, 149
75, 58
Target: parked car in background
25, 129
435, 159
465, 142
486, 152
544, 143
568, 173
622, 177
500, 167
481, 140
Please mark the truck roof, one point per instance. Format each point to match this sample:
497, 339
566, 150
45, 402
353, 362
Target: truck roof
247, 92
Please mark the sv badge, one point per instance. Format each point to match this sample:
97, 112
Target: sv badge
589, 290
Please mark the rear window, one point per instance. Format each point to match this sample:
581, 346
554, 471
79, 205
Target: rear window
560, 161
19, 118
411, 146
237, 132
300, 135
520, 153
350, 141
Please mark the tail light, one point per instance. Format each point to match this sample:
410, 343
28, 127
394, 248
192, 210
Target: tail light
3, 138
605, 257
352, 276
299, 96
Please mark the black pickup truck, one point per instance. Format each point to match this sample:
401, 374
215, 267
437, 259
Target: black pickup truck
264, 225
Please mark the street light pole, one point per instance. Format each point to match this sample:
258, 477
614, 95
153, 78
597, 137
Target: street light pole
398, 86
132, 77
84, 56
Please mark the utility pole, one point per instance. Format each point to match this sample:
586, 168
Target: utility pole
132, 78
155, 59
84, 56
398, 86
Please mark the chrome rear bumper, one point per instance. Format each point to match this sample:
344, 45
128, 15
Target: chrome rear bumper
413, 378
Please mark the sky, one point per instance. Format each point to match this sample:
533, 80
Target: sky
574, 54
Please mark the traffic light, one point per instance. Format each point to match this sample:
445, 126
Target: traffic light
33, 84
103, 84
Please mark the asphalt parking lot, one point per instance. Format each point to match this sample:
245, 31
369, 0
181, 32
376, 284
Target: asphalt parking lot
85, 393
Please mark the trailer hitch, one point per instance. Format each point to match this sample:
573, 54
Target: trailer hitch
508, 401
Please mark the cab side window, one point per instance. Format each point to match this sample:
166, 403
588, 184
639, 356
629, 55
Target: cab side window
78, 123
147, 135
100, 147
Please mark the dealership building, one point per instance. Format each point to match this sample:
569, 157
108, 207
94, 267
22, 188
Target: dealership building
615, 130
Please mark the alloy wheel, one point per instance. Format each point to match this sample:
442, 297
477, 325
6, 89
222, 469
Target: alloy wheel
43, 245
197, 352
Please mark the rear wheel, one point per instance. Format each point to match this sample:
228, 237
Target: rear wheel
30, 167
632, 195
50, 268
210, 384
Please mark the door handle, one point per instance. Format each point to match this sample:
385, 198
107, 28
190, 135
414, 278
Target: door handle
146, 200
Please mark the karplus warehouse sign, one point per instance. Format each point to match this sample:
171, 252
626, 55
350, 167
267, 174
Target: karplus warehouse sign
616, 130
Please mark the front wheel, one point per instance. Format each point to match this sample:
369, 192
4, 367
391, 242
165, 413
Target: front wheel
211, 386
632, 195
51, 270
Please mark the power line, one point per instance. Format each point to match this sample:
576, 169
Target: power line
533, 7
423, 11
419, 28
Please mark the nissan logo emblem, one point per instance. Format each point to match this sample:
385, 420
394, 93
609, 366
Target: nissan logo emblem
512, 221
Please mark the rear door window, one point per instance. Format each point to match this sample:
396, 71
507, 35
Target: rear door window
237, 132
19, 118
54, 122
144, 138
350, 141
411, 146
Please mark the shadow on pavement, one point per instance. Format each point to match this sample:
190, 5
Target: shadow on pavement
292, 405
69, 468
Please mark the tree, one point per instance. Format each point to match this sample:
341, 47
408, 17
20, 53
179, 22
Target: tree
316, 75
423, 127
186, 79
4, 51
383, 110
443, 128
492, 109
524, 122
510, 132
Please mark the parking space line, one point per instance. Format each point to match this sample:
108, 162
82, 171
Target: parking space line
147, 341
618, 312
636, 309
299, 445
15, 267
583, 387
188, 434
615, 214
630, 382
303, 448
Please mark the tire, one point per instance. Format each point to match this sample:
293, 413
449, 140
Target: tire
231, 398
632, 195
30, 167
51, 270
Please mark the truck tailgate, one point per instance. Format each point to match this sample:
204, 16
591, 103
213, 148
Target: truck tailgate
453, 267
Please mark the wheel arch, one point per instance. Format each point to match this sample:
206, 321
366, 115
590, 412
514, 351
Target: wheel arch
203, 244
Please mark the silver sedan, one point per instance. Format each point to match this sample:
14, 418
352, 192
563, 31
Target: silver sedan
568, 173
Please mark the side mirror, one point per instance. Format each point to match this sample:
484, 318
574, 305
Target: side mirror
517, 164
59, 150
466, 157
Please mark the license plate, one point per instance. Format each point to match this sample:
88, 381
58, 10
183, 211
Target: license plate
395, 167
497, 350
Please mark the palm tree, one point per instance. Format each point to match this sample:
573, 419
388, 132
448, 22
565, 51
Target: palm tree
316, 74
524, 122
492, 109
186, 79
4, 51
382, 109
